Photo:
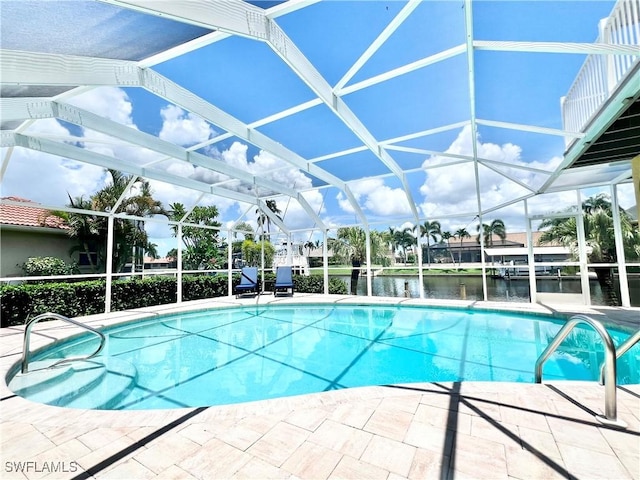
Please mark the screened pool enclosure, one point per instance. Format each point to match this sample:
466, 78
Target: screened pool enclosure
308, 123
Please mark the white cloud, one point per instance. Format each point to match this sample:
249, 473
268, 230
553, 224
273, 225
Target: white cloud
46, 178
297, 217
376, 197
344, 203
183, 128
267, 166
452, 190
110, 102
626, 196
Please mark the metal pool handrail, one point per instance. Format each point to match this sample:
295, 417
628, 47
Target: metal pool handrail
27, 337
610, 392
621, 350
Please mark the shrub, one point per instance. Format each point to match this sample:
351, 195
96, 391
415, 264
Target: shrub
17, 303
337, 286
315, 284
46, 266
198, 287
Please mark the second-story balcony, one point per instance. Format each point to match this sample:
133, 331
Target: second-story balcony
601, 74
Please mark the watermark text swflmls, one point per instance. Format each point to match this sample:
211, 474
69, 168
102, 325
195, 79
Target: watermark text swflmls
41, 467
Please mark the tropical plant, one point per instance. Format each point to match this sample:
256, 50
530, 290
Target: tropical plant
446, 237
461, 234
496, 227
47, 266
309, 245
388, 239
84, 228
430, 231
246, 230
351, 243
599, 235
263, 218
130, 241
378, 247
252, 252
203, 249
404, 240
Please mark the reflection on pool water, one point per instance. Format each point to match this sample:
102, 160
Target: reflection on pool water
498, 289
237, 355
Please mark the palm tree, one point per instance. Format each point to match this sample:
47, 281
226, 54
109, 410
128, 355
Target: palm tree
430, 230
309, 245
262, 217
598, 228
404, 239
84, 228
496, 227
448, 236
461, 234
202, 244
352, 243
390, 239
129, 237
378, 247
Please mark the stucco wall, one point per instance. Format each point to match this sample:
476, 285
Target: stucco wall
16, 246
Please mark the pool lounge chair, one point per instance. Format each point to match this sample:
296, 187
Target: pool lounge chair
248, 281
284, 280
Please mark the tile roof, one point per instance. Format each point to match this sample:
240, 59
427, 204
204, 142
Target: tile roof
28, 216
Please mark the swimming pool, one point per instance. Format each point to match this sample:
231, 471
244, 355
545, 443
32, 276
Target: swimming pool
235, 355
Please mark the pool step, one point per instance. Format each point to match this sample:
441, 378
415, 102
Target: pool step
39, 378
54, 386
90, 384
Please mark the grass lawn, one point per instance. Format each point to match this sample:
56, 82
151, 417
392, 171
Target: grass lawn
333, 271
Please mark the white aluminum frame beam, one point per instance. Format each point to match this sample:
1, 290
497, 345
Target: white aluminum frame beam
265, 121
130, 75
529, 128
468, 158
377, 43
557, 47
21, 108
243, 19
424, 133
31, 68
183, 48
403, 70
505, 175
287, 7
468, 25
262, 205
83, 155
341, 153
620, 255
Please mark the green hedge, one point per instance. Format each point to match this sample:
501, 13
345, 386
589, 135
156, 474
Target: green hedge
17, 303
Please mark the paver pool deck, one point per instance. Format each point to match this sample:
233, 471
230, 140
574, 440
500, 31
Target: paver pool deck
420, 431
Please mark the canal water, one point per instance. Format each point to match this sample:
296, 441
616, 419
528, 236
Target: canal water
499, 289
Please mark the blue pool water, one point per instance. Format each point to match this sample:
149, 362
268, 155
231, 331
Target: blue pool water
243, 354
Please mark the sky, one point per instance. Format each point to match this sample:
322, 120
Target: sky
247, 80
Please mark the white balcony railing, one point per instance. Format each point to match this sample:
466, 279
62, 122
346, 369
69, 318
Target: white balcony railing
601, 74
